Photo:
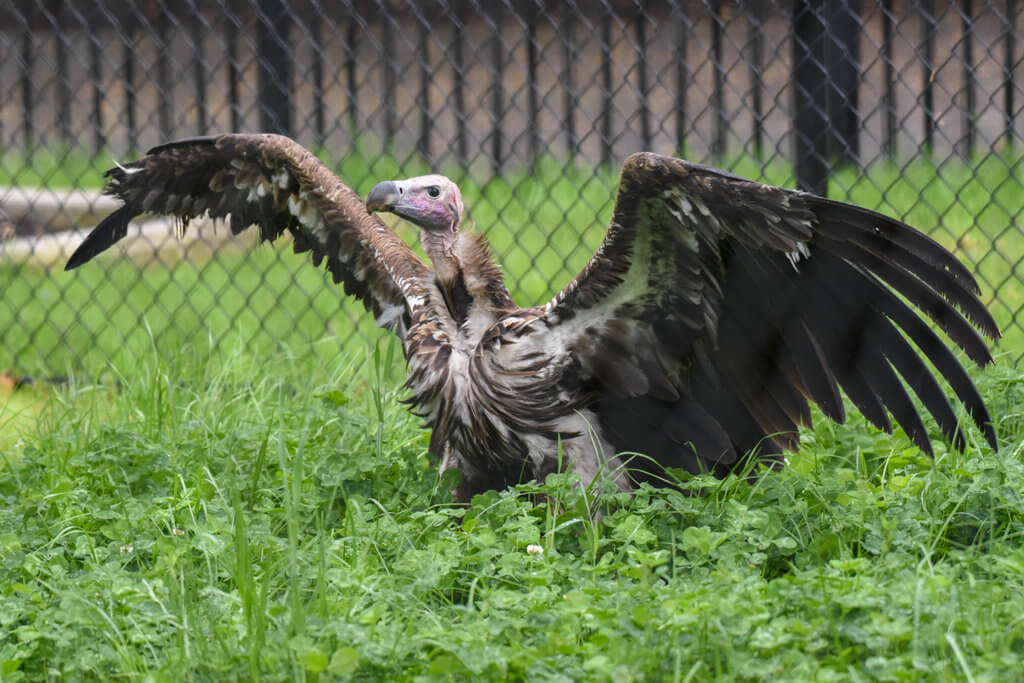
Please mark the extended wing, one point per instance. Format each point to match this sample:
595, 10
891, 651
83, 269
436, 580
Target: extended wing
717, 308
273, 182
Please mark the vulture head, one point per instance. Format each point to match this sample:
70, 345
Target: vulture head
431, 202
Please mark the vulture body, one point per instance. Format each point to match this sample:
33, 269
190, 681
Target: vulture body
713, 313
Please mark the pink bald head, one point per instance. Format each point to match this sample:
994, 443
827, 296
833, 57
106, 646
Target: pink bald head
432, 202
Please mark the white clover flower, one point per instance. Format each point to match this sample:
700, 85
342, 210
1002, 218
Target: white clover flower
534, 549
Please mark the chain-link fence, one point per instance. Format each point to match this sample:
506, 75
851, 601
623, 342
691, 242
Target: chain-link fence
910, 107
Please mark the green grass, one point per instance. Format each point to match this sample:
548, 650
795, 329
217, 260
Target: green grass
234, 515
19, 409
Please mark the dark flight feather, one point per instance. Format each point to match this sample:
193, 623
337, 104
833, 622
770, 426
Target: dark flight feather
105, 235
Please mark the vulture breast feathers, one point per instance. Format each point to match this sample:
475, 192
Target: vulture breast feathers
714, 312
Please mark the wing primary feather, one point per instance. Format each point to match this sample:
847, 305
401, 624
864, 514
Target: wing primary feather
719, 400
886, 385
945, 362
931, 302
908, 277
834, 215
815, 371
753, 359
915, 373
878, 249
103, 236
849, 287
837, 308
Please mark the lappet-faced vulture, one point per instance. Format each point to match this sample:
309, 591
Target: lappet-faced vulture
713, 313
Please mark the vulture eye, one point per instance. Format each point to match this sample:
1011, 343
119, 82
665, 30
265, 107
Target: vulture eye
434, 191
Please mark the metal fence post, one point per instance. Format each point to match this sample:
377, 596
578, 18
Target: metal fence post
810, 120
275, 67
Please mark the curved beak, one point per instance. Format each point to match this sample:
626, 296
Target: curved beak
383, 197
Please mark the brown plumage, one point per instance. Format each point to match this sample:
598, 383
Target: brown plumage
713, 313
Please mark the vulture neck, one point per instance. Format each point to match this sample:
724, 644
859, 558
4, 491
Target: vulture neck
468, 277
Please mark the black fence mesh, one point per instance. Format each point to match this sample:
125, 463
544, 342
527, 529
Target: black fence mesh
910, 108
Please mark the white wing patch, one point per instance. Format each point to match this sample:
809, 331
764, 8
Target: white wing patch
126, 170
283, 178
802, 252
680, 206
300, 206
